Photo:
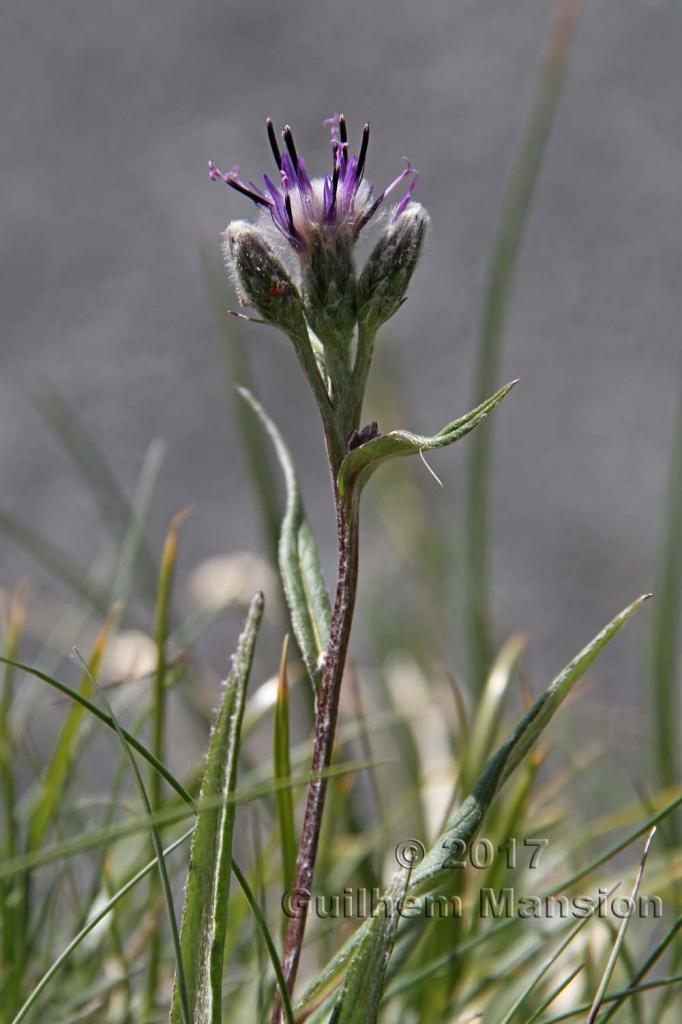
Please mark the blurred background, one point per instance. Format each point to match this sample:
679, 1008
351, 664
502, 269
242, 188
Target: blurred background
110, 113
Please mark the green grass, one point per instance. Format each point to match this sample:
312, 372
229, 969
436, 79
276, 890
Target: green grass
142, 881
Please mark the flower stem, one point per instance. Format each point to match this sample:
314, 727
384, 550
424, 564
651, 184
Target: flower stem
325, 726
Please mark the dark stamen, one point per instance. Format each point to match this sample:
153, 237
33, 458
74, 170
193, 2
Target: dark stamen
238, 187
343, 135
335, 177
363, 151
290, 216
272, 139
289, 142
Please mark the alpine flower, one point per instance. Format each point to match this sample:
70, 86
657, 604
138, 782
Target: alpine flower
335, 206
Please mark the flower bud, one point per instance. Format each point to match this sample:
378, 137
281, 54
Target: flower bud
384, 280
262, 281
329, 287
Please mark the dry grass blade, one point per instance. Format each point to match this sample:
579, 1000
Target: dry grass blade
611, 963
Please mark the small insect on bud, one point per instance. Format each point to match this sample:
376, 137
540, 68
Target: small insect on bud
261, 279
386, 276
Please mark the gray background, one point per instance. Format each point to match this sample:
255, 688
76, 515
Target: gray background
110, 112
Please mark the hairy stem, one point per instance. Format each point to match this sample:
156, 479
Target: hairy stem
325, 726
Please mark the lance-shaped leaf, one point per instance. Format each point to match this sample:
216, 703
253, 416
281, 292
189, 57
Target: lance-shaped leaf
464, 824
359, 464
360, 996
204, 916
304, 585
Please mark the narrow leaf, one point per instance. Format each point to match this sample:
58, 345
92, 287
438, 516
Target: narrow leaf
158, 708
611, 963
552, 959
58, 771
55, 562
282, 766
107, 720
358, 465
304, 585
469, 817
90, 926
363, 984
665, 646
204, 918
156, 842
466, 821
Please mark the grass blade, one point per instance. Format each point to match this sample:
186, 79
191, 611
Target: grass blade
666, 621
12, 892
304, 585
159, 698
501, 272
204, 917
56, 776
282, 769
648, 986
488, 713
110, 498
133, 539
468, 818
360, 996
55, 562
265, 932
107, 719
156, 840
555, 993
91, 924
611, 963
551, 960
650, 962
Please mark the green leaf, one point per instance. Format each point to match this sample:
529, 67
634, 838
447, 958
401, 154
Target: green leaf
55, 562
158, 708
156, 842
204, 918
535, 980
58, 771
107, 720
469, 817
360, 996
466, 821
611, 963
132, 543
358, 465
665, 646
299, 563
282, 765
90, 926
489, 710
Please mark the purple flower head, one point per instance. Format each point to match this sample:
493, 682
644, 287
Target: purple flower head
340, 203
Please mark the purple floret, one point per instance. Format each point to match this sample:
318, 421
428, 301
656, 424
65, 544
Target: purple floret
343, 201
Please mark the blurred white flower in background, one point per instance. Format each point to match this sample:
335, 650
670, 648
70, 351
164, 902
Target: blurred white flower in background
130, 654
232, 579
